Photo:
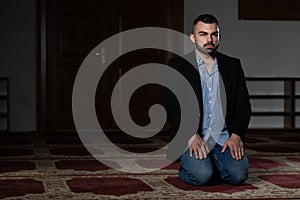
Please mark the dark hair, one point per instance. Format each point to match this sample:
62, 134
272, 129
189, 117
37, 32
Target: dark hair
205, 18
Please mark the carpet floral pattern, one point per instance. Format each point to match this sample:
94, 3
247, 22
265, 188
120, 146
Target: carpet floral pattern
34, 166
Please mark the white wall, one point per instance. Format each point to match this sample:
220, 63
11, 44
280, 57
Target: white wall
18, 60
266, 48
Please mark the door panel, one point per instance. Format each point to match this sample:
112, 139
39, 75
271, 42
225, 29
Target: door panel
73, 29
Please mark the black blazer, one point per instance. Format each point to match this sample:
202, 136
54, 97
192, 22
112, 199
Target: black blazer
237, 97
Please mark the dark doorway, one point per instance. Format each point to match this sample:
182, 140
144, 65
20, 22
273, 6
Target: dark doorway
70, 29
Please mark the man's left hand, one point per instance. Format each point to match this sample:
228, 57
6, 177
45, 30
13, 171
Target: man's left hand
236, 146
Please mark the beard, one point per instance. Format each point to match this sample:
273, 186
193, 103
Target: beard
211, 50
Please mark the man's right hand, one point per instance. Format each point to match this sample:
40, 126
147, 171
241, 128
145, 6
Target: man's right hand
198, 146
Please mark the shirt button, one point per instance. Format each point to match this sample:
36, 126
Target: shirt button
209, 115
209, 102
209, 89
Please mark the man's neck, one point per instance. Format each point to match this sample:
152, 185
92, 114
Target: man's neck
207, 59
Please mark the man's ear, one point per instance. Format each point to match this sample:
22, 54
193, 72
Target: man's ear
192, 37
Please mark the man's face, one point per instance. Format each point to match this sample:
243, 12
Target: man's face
206, 37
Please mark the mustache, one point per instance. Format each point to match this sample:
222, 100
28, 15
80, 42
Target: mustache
210, 43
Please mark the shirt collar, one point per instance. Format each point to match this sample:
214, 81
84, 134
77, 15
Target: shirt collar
200, 63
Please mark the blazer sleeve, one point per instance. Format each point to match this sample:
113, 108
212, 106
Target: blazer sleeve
242, 106
172, 106
171, 103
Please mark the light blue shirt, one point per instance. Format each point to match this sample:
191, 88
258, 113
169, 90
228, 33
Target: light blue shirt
210, 91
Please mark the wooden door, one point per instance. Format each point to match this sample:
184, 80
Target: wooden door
70, 29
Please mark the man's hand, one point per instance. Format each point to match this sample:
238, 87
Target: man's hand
236, 146
198, 146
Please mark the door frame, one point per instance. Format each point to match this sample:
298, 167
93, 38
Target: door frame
42, 118
43, 123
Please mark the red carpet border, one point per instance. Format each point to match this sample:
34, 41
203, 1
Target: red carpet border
13, 166
108, 186
283, 180
20, 187
223, 188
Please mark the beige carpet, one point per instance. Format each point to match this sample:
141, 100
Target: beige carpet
59, 167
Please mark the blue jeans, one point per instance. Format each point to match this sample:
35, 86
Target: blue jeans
217, 167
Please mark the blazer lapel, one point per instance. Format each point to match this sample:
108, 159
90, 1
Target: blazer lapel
194, 78
194, 75
224, 81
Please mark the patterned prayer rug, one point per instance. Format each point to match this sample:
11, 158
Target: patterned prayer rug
35, 166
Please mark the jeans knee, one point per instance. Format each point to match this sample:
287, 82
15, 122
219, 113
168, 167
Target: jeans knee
235, 172
200, 178
237, 178
195, 171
